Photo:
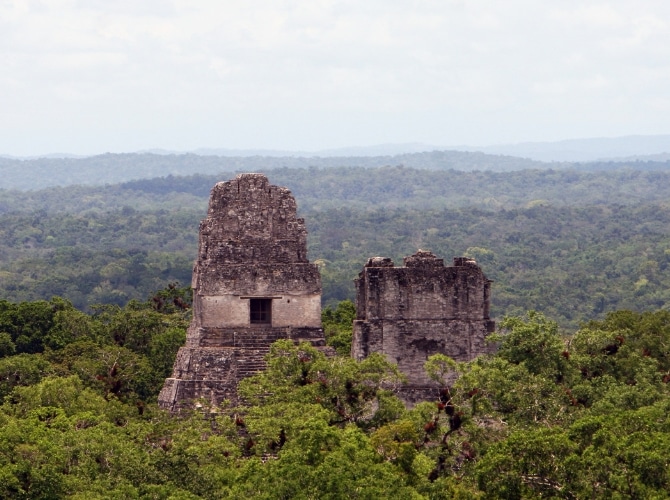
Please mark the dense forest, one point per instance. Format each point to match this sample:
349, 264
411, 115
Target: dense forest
584, 416
574, 404
387, 186
573, 245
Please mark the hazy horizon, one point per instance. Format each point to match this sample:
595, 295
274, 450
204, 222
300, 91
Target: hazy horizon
651, 147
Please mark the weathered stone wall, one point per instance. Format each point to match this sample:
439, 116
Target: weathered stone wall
233, 311
409, 313
251, 246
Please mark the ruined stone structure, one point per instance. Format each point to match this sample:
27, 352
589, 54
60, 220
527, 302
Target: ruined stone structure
252, 285
409, 313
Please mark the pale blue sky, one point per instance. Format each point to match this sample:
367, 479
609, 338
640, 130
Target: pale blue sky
92, 76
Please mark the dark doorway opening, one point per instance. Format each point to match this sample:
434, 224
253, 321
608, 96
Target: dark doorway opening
260, 311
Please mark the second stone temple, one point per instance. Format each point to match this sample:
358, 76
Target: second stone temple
410, 312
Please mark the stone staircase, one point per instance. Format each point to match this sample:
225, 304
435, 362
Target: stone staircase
250, 365
253, 345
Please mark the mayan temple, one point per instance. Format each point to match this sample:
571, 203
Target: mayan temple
252, 285
411, 312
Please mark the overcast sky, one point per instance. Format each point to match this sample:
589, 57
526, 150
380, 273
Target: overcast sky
93, 76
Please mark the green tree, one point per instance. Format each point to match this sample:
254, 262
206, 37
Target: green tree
7, 347
348, 389
338, 326
22, 370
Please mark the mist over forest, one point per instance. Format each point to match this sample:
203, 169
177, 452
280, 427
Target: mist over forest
40, 173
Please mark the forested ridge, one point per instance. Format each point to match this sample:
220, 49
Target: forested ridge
572, 263
40, 173
574, 404
385, 187
115, 168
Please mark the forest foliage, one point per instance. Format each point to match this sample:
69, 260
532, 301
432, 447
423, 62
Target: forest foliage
109, 168
318, 189
572, 261
548, 416
574, 404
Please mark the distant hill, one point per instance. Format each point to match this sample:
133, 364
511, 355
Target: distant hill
41, 173
383, 188
115, 168
625, 148
619, 149
660, 157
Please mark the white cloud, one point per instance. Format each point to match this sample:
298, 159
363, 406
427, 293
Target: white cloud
125, 74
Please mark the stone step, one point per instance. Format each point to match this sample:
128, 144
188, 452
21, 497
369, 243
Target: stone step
270, 338
252, 362
259, 343
248, 373
254, 337
264, 332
